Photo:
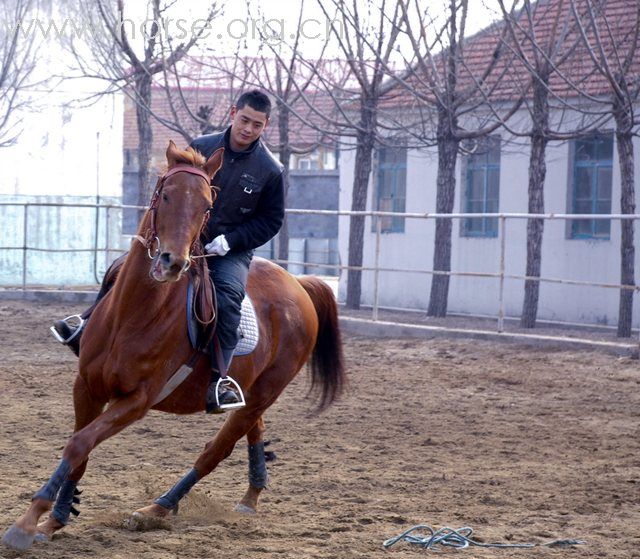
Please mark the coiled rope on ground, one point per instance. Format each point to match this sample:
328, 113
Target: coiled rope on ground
461, 538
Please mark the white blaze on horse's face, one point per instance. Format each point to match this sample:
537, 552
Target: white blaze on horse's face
182, 207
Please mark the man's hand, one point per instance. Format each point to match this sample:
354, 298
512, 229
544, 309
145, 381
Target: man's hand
218, 246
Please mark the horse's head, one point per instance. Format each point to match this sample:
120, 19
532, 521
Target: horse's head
179, 210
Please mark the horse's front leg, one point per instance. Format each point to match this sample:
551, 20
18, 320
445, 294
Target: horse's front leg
120, 413
86, 410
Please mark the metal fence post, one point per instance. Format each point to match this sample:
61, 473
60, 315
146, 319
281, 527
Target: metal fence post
376, 271
107, 239
24, 246
635, 292
503, 244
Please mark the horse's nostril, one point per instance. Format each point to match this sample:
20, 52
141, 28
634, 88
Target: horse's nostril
172, 263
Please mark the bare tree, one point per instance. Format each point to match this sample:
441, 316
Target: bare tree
544, 38
611, 37
17, 65
367, 35
460, 93
129, 57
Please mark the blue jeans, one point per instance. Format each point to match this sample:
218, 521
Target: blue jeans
229, 274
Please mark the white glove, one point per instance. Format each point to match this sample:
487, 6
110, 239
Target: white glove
218, 246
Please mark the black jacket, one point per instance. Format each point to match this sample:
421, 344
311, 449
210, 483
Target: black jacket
250, 207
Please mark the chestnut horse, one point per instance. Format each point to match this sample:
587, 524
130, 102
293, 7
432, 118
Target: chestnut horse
137, 338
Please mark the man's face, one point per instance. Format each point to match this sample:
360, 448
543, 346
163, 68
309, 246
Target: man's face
246, 126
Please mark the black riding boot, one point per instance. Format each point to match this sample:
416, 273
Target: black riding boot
69, 334
225, 393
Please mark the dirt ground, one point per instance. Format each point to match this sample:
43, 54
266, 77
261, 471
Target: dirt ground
523, 444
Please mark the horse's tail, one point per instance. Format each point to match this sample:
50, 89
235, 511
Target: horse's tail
327, 361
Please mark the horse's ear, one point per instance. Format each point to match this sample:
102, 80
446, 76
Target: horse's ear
172, 154
213, 164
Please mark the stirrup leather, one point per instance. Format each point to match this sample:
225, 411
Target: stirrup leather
76, 332
231, 381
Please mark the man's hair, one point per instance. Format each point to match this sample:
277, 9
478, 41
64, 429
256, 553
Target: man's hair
257, 100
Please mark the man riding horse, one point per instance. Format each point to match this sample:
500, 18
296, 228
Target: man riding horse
248, 213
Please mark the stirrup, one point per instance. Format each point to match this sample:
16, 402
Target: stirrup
224, 407
75, 333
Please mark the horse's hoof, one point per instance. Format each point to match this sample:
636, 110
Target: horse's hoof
139, 522
41, 537
244, 509
134, 522
17, 538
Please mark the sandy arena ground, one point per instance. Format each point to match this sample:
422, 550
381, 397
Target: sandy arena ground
522, 444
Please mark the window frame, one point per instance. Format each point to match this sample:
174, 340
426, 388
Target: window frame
396, 224
490, 226
595, 166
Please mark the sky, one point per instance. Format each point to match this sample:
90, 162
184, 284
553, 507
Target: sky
247, 23
252, 28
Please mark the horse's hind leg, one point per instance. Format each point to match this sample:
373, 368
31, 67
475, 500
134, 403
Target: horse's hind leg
86, 410
258, 475
237, 425
119, 414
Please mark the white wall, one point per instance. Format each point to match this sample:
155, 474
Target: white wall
585, 260
67, 149
70, 151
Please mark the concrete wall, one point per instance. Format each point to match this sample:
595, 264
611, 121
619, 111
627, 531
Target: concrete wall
586, 260
64, 229
314, 190
313, 238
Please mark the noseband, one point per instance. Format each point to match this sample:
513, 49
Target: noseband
151, 235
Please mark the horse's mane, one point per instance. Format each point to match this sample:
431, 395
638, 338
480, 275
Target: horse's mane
189, 156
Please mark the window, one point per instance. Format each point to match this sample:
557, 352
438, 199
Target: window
391, 187
329, 159
482, 188
309, 162
591, 186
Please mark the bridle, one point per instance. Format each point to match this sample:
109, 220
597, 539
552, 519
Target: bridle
151, 236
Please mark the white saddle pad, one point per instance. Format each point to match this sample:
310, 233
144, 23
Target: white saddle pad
248, 329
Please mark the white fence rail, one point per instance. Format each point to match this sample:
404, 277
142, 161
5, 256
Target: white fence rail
501, 273
108, 249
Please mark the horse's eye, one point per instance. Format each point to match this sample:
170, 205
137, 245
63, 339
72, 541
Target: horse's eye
165, 197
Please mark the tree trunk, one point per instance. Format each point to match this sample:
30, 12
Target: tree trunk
283, 235
145, 138
446, 188
627, 206
535, 227
285, 159
364, 150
